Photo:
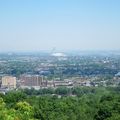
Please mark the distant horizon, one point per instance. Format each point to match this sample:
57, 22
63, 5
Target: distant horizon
58, 51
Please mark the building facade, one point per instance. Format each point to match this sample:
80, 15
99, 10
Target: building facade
31, 81
9, 82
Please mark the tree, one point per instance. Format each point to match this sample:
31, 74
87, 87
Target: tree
25, 110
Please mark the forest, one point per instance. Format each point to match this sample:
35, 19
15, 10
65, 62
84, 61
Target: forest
85, 103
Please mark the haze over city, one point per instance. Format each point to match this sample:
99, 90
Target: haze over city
27, 25
59, 59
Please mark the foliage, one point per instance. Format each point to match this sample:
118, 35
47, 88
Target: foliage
89, 104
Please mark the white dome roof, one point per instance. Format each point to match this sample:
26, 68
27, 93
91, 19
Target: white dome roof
58, 54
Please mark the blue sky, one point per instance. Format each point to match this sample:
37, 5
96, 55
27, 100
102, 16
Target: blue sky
33, 25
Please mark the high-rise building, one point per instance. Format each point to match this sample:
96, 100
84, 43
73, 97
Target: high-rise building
29, 81
9, 82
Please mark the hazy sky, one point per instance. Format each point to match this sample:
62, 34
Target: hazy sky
65, 24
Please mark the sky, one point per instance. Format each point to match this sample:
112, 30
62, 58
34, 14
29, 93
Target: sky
35, 25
